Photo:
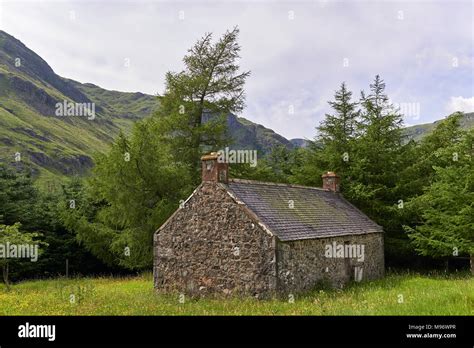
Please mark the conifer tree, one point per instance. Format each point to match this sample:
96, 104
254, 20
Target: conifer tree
375, 167
337, 131
445, 225
197, 100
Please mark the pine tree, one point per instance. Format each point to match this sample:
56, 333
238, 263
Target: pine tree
376, 165
18, 197
339, 127
337, 132
133, 190
445, 225
377, 147
197, 100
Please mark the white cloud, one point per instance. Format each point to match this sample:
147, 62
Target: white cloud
460, 104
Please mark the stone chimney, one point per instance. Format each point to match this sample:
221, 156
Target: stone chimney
331, 181
213, 170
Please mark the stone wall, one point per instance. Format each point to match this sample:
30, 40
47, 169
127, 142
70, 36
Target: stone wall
213, 245
302, 265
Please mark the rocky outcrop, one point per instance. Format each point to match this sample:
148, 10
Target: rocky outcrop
72, 165
35, 97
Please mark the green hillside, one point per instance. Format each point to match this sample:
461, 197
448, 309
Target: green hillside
52, 145
419, 131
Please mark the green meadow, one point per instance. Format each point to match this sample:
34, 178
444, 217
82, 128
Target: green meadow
396, 294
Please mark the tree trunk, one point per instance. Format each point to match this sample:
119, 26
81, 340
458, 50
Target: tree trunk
5, 275
472, 264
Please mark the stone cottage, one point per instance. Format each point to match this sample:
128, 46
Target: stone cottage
259, 238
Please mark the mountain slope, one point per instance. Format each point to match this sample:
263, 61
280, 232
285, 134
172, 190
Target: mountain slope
29, 91
56, 146
417, 132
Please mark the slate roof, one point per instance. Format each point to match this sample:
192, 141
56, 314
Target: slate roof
317, 213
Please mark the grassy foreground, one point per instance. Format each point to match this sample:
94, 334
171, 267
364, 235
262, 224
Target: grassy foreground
419, 295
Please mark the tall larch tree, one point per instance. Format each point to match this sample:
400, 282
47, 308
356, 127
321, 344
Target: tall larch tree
198, 99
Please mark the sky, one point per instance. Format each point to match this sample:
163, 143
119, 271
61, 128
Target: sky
298, 52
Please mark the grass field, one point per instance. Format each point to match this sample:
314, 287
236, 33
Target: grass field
397, 294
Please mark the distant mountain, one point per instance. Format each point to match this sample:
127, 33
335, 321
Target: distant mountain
249, 135
56, 146
298, 142
419, 131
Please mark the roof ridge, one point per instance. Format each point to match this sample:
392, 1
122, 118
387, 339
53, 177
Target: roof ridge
247, 181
